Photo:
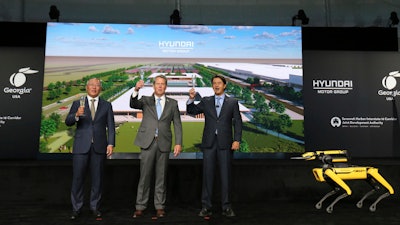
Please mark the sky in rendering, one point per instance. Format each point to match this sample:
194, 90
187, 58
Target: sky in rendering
173, 41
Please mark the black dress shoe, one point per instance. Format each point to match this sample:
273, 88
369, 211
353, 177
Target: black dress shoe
205, 212
96, 213
228, 212
75, 215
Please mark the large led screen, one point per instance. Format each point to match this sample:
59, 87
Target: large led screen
263, 66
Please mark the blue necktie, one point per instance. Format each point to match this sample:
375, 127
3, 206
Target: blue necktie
158, 107
218, 105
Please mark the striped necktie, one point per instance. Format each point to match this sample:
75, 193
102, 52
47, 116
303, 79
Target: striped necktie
92, 108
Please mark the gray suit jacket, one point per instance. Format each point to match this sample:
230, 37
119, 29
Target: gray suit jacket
229, 118
150, 123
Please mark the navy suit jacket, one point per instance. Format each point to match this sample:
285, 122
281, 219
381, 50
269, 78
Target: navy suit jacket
101, 129
228, 124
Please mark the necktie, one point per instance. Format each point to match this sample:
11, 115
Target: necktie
218, 105
158, 107
92, 108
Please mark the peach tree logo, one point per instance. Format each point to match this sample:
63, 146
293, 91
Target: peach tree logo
389, 82
19, 79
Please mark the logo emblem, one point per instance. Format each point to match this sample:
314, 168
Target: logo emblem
19, 79
336, 121
389, 82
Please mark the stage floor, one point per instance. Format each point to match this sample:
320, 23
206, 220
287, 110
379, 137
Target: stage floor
266, 192
274, 213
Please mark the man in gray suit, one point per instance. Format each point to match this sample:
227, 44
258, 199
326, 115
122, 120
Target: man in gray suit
221, 115
154, 138
94, 140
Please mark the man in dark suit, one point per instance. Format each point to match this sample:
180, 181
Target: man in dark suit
221, 115
94, 140
154, 138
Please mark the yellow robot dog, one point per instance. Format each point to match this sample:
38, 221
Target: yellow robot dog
336, 169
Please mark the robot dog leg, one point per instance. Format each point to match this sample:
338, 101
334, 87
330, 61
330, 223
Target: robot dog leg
329, 176
336, 170
374, 179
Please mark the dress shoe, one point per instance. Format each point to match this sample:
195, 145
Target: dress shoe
75, 215
96, 213
138, 213
205, 212
160, 213
228, 212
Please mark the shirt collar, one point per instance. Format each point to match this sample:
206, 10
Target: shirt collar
96, 98
162, 98
220, 96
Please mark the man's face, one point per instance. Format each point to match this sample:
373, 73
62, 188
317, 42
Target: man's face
159, 87
93, 88
218, 86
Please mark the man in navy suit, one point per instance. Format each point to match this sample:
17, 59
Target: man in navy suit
154, 138
94, 140
218, 143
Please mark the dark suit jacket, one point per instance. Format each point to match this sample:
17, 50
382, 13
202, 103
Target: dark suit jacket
102, 129
229, 118
150, 123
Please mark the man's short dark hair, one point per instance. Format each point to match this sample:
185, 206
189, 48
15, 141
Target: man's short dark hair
220, 77
160, 76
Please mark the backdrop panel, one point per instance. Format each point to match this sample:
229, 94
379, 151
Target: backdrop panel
351, 102
21, 85
21, 95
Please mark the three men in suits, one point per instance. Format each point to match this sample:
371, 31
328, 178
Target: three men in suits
154, 138
94, 140
218, 142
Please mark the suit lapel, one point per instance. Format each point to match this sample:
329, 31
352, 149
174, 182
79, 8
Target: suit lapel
223, 104
214, 107
99, 107
167, 105
153, 106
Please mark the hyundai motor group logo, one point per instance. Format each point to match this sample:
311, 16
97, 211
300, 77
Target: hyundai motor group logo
335, 87
18, 80
389, 82
176, 46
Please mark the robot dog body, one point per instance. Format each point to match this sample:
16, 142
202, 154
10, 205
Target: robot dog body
336, 170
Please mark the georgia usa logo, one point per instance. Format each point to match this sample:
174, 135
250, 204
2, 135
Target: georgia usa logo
389, 82
18, 80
